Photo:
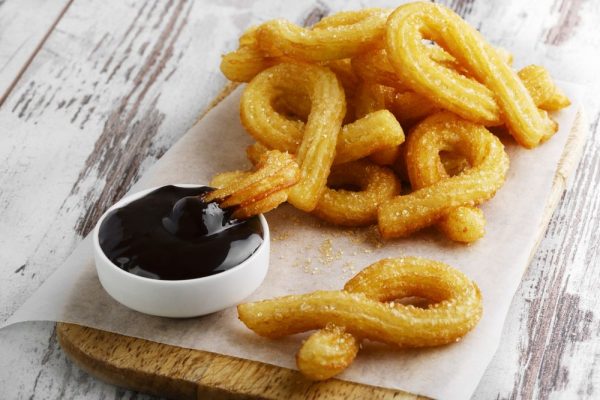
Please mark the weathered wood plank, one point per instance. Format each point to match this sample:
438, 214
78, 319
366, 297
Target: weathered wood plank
24, 26
147, 68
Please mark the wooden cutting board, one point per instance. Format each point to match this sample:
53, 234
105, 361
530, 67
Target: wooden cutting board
180, 373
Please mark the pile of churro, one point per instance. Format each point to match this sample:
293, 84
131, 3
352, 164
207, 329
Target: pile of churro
380, 117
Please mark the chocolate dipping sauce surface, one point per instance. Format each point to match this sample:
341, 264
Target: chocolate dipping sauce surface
172, 234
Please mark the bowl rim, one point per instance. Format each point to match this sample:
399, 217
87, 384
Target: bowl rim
128, 275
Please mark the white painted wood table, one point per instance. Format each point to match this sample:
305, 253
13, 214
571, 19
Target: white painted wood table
93, 92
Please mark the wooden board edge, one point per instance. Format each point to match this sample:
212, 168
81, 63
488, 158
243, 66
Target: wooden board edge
193, 374
180, 373
102, 355
566, 167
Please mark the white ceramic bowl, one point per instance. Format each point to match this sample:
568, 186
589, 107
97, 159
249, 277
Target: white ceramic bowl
184, 298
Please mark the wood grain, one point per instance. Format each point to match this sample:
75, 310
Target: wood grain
59, 108
189, 374
24, 27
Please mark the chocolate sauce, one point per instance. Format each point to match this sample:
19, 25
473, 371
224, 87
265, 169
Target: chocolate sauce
172, 234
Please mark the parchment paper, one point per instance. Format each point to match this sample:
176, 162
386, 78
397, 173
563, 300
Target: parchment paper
307, 255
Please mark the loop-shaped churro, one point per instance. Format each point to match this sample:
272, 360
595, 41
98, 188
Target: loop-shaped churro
339, 36
332, 39
501, 97
367, 309
426, 167
275, 116
344, 207
257, 192
436, 195
315, 144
